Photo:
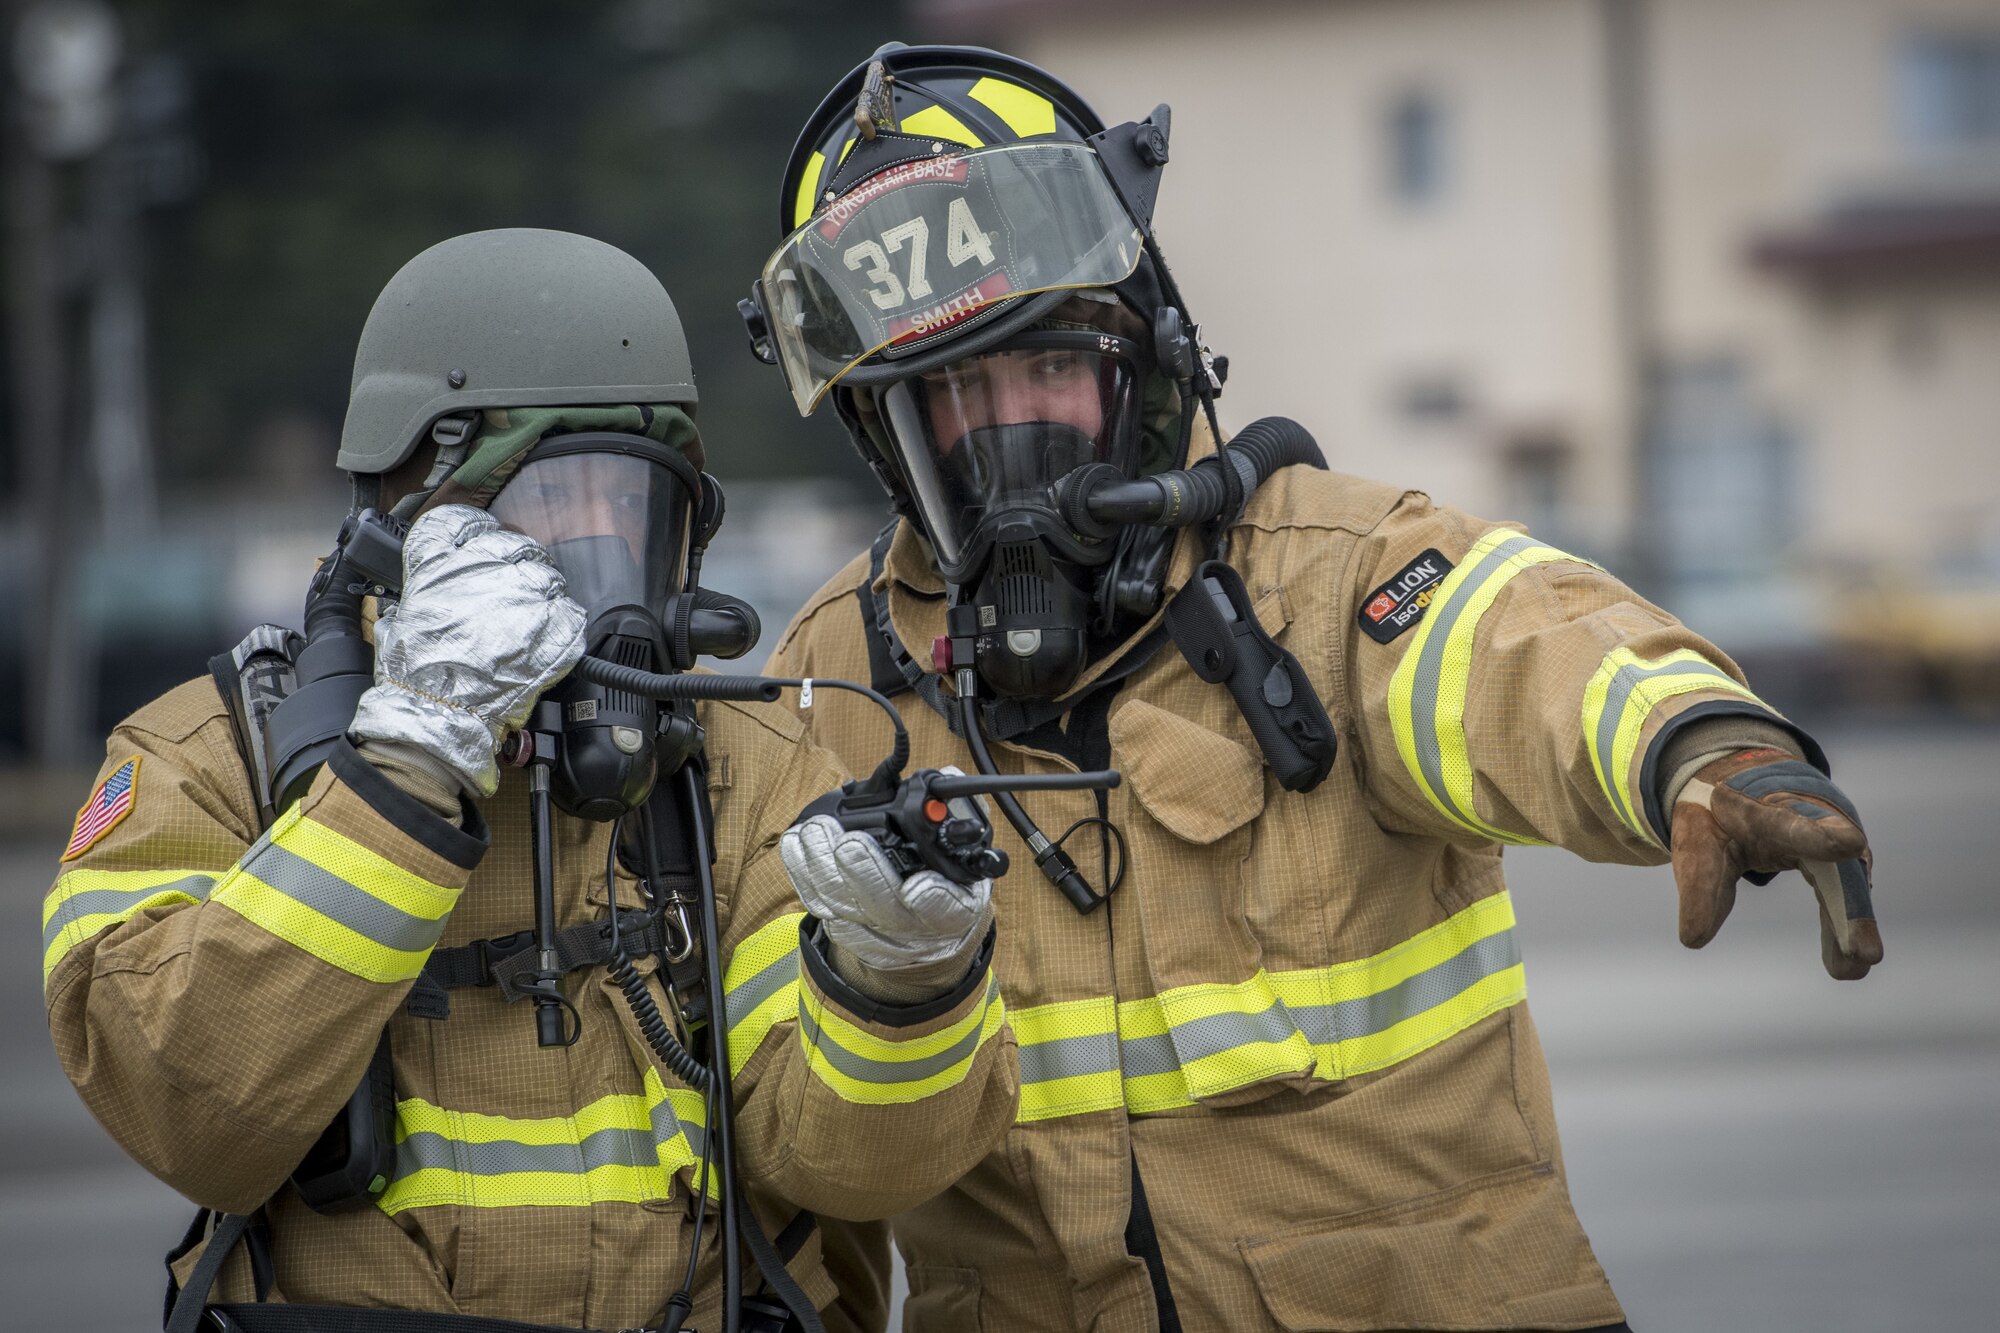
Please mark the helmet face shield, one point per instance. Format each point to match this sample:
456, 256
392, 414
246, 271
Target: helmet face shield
989, 436
917, 254
615, 523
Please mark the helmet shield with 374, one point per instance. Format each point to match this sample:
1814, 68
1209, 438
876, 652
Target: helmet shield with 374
916, 255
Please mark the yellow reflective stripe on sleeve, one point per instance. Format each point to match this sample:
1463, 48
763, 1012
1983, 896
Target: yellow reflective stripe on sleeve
84, 902
1429, 692
1026, 112
872, 1070
937, 123
1616, 704
1200, 1041
337, 900
623, 1148
761, 986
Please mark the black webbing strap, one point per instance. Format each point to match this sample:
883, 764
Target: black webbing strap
771, 1263
793, 1238
184, 1305
283, 1318
505, 960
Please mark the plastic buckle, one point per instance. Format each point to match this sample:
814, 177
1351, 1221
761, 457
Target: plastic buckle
493, 951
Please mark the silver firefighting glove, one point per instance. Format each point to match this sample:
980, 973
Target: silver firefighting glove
1762, 811
483, 627
895, 939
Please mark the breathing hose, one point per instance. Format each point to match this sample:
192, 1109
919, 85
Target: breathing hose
1096, 500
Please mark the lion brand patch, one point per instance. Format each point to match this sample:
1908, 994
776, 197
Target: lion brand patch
111, 802
1402, 601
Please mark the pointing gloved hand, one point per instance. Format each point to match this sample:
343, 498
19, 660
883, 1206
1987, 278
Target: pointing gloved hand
895, 939
1763, 811
484, 626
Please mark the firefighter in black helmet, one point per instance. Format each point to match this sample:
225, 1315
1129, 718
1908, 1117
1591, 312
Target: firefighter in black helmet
1277, 1068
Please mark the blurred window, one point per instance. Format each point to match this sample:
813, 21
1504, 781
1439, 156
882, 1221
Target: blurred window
1416, 130
1950, 88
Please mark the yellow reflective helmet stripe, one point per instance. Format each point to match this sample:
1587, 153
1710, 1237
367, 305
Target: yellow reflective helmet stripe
1025, 112
871, 1070
802, 207
937, 123
760, 986
1616, 704
1350, 1018
83, 902
1430, 689
337, 900
622, 1148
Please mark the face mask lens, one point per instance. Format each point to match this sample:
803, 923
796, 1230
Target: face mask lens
993, 433
616, 525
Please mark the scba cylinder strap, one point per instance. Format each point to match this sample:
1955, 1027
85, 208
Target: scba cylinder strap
509, 960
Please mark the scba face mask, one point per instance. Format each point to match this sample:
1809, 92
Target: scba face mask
620, 516
983, 444
614, 514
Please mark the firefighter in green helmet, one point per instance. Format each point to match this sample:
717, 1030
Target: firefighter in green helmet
273, 905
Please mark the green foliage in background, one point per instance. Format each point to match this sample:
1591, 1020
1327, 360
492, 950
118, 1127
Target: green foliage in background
344, 137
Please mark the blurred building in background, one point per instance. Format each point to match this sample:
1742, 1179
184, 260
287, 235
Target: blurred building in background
1708, 289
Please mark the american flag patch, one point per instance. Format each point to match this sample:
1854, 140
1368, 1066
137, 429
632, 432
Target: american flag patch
111, 802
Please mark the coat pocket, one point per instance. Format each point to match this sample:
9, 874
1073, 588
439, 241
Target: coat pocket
941, 1300
1503, 1251
1197, 785
1198, 794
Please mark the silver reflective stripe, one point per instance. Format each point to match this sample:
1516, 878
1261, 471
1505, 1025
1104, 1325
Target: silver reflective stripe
1148, 1055
666, 1124
349, 904
743, 1001
118, 902
1366, 1015
1067, 1057
1430, 667
1199, 1038
1616, 695
863, 1069
607, 1147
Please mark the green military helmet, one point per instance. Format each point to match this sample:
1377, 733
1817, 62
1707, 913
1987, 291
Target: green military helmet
511, 318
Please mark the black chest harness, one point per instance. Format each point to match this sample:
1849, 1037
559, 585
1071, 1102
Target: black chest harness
1213, 624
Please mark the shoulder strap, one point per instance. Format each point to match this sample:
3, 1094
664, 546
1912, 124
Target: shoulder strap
185, 1304
891, 669
253, 678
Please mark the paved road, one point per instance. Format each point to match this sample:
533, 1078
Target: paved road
1753, 1147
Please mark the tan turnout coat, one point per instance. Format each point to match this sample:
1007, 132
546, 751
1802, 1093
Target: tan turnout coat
216, 994
1301, 1016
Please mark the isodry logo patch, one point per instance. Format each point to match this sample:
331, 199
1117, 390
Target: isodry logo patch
1402, 601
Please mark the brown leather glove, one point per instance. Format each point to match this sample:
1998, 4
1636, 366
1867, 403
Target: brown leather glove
1758, 812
